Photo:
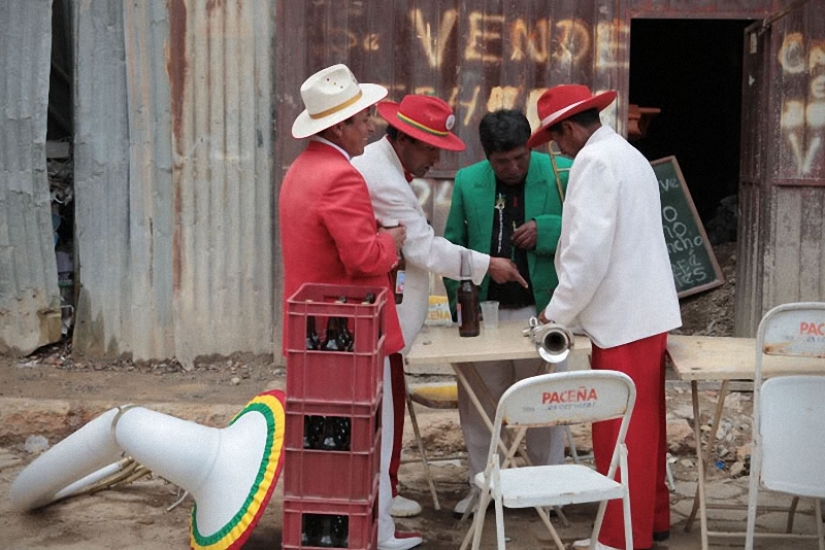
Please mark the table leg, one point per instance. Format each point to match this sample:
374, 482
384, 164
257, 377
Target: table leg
703, 459
462, 371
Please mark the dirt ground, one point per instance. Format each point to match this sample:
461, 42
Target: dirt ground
136, 515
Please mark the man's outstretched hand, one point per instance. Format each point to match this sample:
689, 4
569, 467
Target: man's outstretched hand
503, 270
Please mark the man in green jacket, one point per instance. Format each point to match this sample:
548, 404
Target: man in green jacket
508, 206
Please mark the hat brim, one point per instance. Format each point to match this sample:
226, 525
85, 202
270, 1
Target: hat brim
305, 126
600, 102
388, 111
235, 533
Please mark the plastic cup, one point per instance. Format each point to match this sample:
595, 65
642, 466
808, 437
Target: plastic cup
489, 314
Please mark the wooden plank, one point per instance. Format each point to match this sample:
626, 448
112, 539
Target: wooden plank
705, 358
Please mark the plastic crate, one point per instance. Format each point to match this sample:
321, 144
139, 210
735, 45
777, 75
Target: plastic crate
366, 321
361, 519
365, 422
336, 377
322, 474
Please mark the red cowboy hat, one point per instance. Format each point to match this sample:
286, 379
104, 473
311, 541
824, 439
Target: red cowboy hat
560, 103
423, 117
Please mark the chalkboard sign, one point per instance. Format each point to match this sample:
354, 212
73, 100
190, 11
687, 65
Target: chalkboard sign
694, 265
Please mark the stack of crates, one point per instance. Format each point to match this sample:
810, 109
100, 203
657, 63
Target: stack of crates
333, 421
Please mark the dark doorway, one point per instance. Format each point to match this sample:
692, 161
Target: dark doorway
691, 69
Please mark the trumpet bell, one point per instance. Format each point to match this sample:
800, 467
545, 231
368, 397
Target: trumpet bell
553, 341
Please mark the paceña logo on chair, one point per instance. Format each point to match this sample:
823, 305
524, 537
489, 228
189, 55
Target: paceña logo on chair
581, 395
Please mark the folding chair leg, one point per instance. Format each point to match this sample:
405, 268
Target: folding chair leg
791, 512
478, 520
425, 462
547, 523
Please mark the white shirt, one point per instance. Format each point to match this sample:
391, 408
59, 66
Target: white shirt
393, 199
615, 279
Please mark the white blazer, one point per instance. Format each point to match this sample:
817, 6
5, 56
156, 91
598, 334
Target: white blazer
615, 279
393, 199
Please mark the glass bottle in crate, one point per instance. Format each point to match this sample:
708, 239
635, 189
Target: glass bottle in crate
313, 340
333, 337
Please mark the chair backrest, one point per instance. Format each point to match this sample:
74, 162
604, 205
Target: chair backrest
789, 410
567, 398
792, 430
796, 329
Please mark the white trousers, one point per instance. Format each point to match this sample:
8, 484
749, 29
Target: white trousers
544, 445
386, 525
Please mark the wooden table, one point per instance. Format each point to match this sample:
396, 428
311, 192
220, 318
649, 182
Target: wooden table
716, 359
442, 344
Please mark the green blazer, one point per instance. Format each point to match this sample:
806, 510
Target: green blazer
470, 222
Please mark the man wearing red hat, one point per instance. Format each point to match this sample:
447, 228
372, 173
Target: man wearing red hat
616, 285
510, 207
418, 128
328, 228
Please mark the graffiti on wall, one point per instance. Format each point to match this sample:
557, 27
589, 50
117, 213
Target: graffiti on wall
450, 38
803, 117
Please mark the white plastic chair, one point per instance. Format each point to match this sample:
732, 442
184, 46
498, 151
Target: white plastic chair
788, 453
548, 400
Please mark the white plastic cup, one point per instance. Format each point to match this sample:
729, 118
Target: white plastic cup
489, 314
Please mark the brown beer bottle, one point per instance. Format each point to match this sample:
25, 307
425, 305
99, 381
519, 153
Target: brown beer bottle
333, 336
467, 299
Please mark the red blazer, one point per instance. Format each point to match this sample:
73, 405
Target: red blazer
329, 233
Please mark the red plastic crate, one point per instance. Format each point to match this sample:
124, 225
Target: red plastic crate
322, 474
366, 321
365, 422
363, 527
336, 377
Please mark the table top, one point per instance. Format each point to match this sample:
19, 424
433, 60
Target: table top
724, 358
442, 344
694, 358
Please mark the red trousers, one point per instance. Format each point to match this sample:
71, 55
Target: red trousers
399, 405
646, 440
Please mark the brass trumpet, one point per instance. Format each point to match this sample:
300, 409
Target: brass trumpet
553, 341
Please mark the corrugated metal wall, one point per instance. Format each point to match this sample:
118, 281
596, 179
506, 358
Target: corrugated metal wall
29, 296
781, 250
173, 186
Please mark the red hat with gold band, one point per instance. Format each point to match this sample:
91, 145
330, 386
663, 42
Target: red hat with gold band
423, 117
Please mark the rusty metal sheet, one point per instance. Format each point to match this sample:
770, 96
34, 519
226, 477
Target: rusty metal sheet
29, 295
780, 256
798, 81
176, 223
479, 55
704, 9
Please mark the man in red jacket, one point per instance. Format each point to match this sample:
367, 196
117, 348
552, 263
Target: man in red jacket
329, 233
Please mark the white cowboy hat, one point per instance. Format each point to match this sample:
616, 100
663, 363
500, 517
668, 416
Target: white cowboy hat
330, 96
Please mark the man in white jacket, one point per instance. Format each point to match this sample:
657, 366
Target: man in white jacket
616, 285
418, 129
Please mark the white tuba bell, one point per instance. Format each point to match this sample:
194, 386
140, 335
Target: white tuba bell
553, 341
231, 472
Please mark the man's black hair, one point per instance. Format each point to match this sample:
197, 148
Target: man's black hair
393, 133
503, 130
585, 118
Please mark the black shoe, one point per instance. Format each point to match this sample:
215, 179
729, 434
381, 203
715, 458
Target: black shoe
659, 536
